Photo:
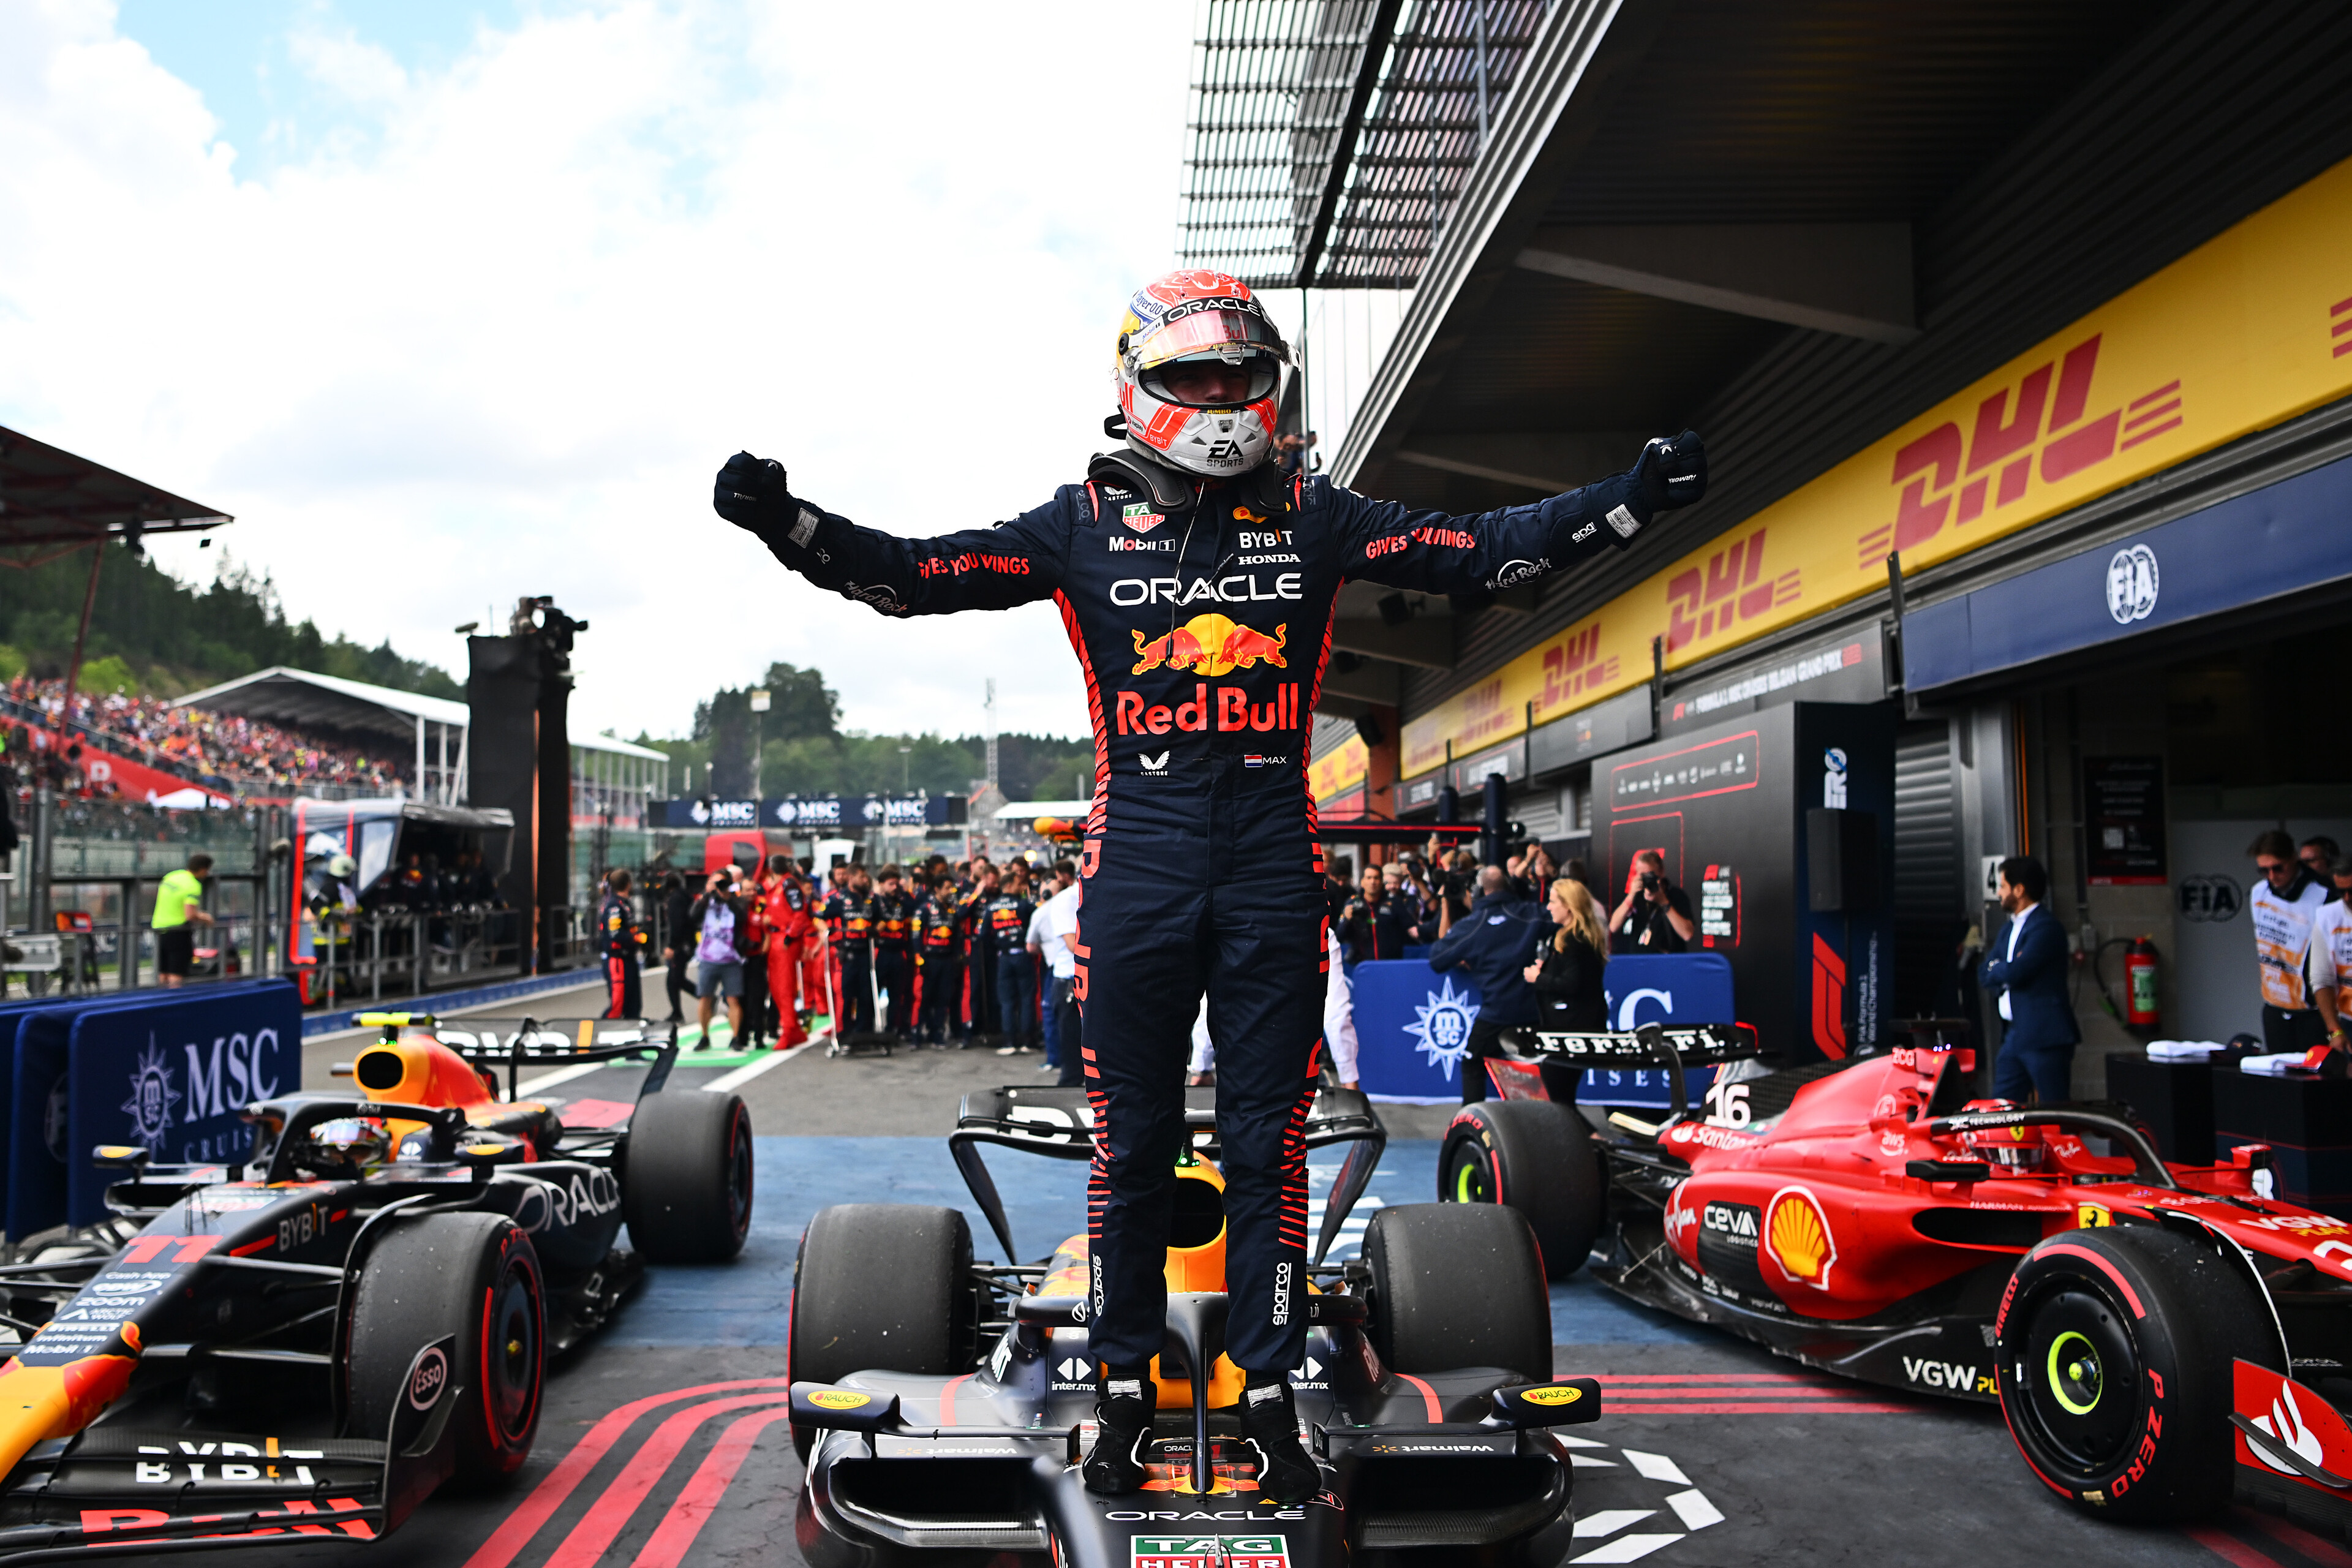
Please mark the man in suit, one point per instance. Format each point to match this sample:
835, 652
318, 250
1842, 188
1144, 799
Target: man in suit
2025, 967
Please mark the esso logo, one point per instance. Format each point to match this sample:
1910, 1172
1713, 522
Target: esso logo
430, 1376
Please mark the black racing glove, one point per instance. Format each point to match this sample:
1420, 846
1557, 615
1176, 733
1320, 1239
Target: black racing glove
751, 493
1669, 473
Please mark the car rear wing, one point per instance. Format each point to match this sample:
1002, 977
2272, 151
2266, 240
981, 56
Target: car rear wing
517, 1043
1672, 1047
1059, 1124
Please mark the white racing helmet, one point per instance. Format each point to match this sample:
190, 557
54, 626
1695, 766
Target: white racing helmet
1189, 317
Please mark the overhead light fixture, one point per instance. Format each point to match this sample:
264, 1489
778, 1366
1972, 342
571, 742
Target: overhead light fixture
1395, 610
467, 627
1369, 731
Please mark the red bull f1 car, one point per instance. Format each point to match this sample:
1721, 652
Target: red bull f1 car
308, 1344
2153, 1333
943, 1405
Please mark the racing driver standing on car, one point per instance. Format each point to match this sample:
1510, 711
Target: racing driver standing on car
1198, 583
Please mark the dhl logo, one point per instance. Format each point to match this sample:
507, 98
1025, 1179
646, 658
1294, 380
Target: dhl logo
1572, 666
1731, 587
1941, 477
1211, 645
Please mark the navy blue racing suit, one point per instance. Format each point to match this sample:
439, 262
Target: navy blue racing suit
1203, 630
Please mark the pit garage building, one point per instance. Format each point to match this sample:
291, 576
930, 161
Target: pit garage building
2020, 336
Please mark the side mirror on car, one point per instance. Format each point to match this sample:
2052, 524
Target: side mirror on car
1570, 1403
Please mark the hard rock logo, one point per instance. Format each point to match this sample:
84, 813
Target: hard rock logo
1797, 1237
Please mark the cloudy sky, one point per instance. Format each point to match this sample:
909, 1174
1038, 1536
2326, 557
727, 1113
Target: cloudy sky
453, 300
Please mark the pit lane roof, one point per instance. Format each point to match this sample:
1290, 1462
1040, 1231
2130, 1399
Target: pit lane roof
1331, 138
50, 496
1670, 190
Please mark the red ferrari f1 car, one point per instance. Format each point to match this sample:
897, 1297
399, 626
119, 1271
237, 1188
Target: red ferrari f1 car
2142, 1325
308, 1344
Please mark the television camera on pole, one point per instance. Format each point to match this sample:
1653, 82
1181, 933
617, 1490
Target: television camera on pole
520, 688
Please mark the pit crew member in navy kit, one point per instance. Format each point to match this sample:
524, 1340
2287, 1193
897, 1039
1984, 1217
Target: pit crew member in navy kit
894, 952
620, 941
1198, 585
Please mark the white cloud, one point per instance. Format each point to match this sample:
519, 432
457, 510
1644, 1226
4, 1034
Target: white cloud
498, 342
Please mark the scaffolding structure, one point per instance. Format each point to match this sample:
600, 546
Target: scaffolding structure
1331, 138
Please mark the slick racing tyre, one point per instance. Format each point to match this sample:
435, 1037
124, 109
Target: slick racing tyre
474, 1277
882, 1286
1458, 1285
687, 1186
1535, 1157
2114, 1348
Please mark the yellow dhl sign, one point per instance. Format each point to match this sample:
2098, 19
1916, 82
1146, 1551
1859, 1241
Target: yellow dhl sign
2251, 328
1341, 769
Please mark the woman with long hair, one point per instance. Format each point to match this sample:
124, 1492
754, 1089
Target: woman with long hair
1567, 976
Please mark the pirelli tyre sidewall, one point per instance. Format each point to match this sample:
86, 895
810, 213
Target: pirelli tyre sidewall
2114, 1348
474, 1278
1538, 1157
881, 1288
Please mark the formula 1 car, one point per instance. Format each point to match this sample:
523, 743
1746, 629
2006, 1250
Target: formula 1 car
943, 1405
2141, 1324
308, 1344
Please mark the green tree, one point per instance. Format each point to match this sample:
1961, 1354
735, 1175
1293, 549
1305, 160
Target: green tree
176, 638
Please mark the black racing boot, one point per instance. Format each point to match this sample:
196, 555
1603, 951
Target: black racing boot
1286, 1473
1125, 1398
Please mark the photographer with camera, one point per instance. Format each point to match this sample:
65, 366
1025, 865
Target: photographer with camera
715, 919
1654, 915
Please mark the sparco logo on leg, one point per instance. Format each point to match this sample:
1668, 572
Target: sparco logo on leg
1281, 1294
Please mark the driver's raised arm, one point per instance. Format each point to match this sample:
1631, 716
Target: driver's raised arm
1398, 547
978, 569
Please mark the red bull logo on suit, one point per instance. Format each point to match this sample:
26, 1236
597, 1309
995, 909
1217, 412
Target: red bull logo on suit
1211, 645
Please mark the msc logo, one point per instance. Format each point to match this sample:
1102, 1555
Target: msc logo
1943, 476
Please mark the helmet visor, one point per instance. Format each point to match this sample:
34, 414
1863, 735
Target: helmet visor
1212, 381
1205, 328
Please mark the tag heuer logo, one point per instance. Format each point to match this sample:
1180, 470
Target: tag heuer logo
1140, 516
1210, 1552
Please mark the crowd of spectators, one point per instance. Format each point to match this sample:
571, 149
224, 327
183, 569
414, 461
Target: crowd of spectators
939, 953
1530, 934
226, 752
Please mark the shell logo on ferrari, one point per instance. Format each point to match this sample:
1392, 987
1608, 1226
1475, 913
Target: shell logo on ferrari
1797, 1237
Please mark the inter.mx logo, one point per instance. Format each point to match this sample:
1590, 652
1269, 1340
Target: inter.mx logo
1210, 1552
1945, 476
